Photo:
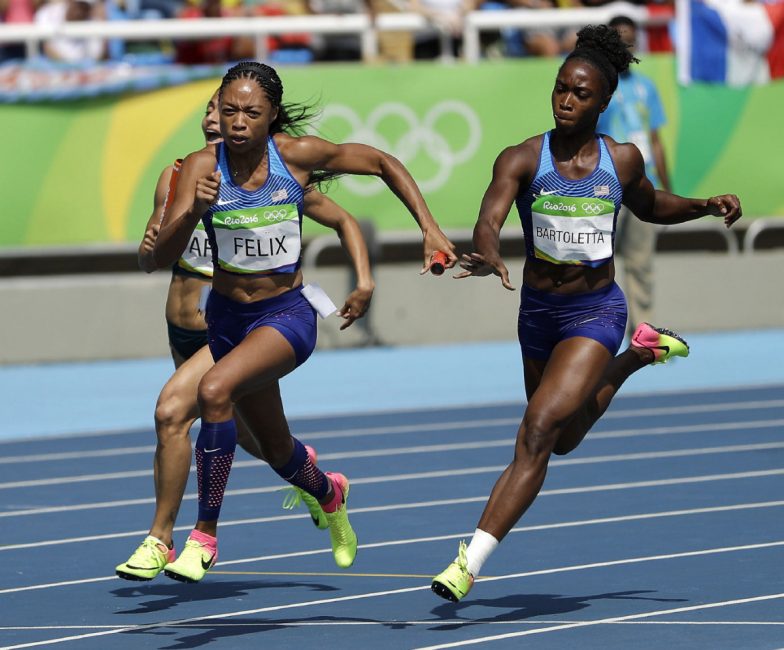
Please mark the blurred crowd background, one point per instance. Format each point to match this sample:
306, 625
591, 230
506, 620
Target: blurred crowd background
444, 17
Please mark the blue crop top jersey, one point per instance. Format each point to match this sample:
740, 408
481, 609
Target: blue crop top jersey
571, 221
258, 232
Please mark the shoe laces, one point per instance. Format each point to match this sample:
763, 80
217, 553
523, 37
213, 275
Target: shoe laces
193, 547
292, 497
462, 557
149, 549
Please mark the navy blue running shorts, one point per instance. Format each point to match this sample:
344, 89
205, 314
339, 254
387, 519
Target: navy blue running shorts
229, 322
546, 319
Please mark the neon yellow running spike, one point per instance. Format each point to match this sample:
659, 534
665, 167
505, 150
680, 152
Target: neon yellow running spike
295, 496
341, 534
454, 582
147, 561
664, 343
196, 559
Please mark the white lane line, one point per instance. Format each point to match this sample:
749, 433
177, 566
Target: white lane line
469, 424
390, 478
366, 623
77, 455
407, 477
421, 540
613, 413
393, 592
603, 621
686, 428
422, 449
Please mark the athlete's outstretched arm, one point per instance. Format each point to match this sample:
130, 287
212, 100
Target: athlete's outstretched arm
146, 261
310, 153
325, 211
197, 189
664, 208
511, 169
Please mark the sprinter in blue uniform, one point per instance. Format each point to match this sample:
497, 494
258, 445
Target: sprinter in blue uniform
177, 407
248, 192
568, 185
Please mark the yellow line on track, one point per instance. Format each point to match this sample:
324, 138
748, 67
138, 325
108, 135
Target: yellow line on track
320, 574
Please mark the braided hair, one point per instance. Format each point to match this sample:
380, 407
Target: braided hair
292, 118
601, 46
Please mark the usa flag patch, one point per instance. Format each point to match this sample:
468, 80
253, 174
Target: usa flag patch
601, 190
282, 195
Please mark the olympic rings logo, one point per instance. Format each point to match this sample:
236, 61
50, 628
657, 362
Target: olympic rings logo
275, 215
592, 208
396, 129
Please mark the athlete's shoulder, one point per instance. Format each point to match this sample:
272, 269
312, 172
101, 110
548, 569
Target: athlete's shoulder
201, 161
523, 155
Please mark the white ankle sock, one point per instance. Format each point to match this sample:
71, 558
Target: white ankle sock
481, 546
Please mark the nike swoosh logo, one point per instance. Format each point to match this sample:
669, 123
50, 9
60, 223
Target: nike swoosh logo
208, 564
209, 451
546, 192
227, 202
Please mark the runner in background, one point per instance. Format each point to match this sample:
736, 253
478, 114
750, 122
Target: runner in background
248, 192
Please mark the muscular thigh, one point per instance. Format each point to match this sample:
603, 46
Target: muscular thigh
263, 357
567, 379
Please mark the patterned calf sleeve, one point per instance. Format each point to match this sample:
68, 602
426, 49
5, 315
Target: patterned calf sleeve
300, 471
214, 455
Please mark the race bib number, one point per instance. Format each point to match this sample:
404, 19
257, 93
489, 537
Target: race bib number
255, 240
197, 256
572, 230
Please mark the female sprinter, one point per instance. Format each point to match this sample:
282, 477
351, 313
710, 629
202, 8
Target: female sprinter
568, 185
248, 191
177, 406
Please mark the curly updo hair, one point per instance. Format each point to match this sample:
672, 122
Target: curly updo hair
602, 47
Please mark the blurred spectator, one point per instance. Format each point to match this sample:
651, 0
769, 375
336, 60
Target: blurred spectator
654, 38
393, 47
16, 11
543, 41
67, 49
220, 49
286, 48
446, 16
635, 114
337, 47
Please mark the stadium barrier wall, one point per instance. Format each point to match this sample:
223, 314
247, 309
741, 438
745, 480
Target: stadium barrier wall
88, 317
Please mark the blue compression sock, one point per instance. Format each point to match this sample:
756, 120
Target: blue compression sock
300, 471
214, 455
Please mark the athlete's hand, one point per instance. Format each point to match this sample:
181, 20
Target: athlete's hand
148, 243
356, 306
435, 240
479, 266
727, 206
207, 189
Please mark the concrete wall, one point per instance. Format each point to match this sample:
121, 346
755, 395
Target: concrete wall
85, 317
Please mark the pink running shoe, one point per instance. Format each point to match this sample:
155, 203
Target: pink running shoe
664, 343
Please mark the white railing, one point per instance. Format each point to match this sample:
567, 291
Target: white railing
360, 24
